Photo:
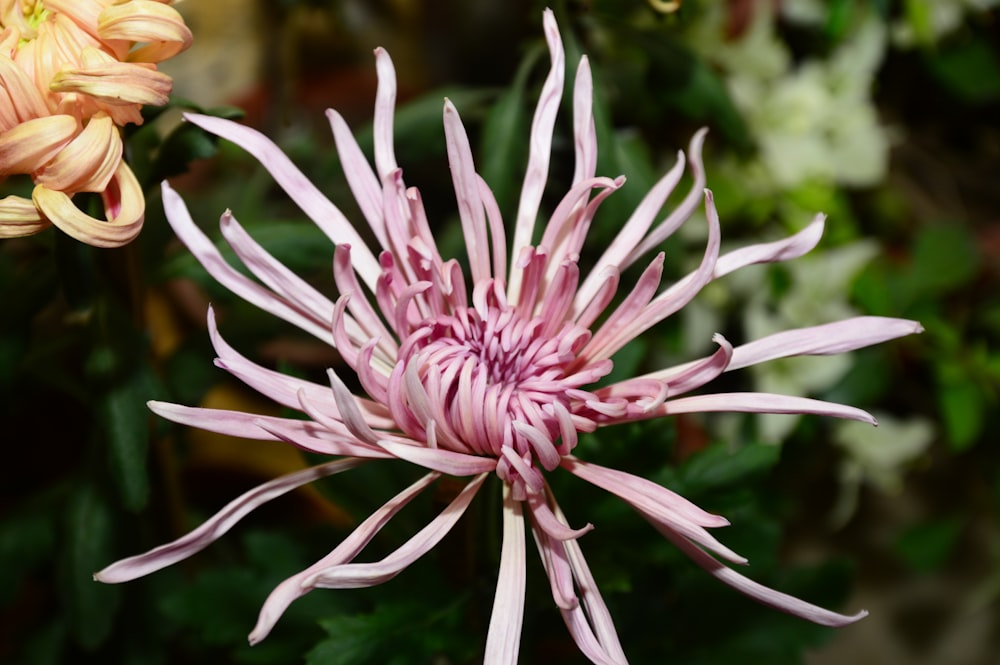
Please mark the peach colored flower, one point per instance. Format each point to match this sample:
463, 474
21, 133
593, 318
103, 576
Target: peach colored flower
493, 371
71, 73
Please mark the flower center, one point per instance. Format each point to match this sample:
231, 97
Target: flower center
497, 383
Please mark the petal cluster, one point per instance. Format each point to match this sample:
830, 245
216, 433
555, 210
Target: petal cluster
493, 370
71, 73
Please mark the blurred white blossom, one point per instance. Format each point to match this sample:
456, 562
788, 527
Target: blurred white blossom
813, 120
877, 458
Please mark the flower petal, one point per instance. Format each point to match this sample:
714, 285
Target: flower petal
325, 214
27, 147
355, 575
293, 588
19, 217
438, 459
759, 592
504, 638
216, 526
124, 207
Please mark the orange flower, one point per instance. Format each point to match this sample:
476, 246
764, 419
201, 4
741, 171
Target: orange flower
71, 73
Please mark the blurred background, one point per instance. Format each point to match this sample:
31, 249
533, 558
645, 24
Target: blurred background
881, 114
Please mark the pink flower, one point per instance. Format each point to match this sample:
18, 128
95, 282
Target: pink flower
493, 375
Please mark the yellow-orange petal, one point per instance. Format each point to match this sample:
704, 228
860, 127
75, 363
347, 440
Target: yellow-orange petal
20, 100
19, 217
157, 25
88, 162
113, 82
27, 147
84, 13
124, 207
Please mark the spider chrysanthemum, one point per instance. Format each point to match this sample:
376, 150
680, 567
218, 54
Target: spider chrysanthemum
494, 371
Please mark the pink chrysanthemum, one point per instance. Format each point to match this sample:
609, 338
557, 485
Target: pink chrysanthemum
496, 378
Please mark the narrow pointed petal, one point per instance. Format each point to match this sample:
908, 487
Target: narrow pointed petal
385, 103
274, 274
504, 638
437, 459
681, 213
293, 588
541, 144
216, 526
759, 592
327, 216
584, 132
363, 182
831, 338
759, 403
356, 575
780, 250
209, 256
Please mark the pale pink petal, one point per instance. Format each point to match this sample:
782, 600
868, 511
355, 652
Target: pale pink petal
438, 459
361, 179
279, 278
546, 520
355, 575
632, 232
597, 612
309, 437
681, 213
838, 337
759, 403
312, 202
584, 133
216, 526
557, 568
470, 205
540, 146
759, 592
769, 252
209, 257
667, 508
385, 103
284, 389
503, 640
293, 588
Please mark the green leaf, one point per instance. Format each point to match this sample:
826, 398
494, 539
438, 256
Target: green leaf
971, 70
185, 144
944, 258
925, 547
717, 466
125, 421
962, 411
89, 533
27, 539
400, 632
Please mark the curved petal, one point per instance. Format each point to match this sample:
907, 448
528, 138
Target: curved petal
216, 526
27, 147
437, 459
758, 403
355, 575
759, 592
124, 206
293, 588
504, 638
20, 217
838, 337
325, 214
